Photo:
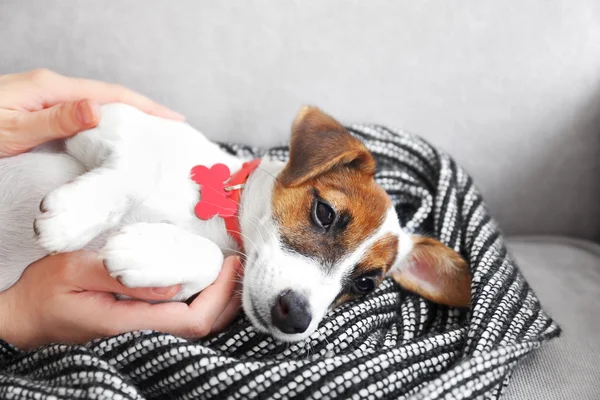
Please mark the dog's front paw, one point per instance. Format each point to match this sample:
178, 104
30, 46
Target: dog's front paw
74, 214
159, 255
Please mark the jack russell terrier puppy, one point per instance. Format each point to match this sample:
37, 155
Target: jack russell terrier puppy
164, 205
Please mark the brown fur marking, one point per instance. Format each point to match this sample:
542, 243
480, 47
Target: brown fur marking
328, 162
318, 144
350, 193
326, 159
380, 256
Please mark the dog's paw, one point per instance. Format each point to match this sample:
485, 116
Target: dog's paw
74, 214
158, 255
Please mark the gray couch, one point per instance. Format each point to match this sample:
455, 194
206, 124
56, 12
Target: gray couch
510, 89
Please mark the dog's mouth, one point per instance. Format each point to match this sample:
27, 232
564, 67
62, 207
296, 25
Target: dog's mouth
249, 301
283, 314
262, 323
251, 308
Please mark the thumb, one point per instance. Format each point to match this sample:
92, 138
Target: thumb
60, 121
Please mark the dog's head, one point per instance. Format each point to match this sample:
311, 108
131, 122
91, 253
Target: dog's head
330, 234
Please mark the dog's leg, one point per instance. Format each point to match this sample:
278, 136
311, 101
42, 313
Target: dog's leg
75, 213
161, 254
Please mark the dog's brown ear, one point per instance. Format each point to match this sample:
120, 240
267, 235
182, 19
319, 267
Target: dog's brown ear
319, 144
435, 272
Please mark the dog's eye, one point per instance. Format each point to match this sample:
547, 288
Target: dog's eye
364, 284
323, 215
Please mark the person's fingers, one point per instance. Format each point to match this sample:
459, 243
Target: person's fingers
102, 92
41, 88
86, 271
230, 312
26, 130
215, 302
195, 320
57, 122
109, 316
234, 306
211, 302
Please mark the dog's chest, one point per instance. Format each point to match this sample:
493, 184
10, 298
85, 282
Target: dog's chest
154, 159
175, 194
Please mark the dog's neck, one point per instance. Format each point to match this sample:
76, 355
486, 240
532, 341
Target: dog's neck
255, 205
235, 186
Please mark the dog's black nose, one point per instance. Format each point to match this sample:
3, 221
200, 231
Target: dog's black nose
291, 312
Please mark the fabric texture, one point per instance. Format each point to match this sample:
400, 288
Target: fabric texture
565, 275
390, 344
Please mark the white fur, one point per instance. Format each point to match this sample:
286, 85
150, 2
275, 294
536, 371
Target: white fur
124, 189
138, 169
177, 257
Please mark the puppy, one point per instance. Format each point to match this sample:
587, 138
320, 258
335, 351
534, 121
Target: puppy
164, 205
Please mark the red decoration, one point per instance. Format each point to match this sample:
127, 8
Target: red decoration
221, 198
214, 200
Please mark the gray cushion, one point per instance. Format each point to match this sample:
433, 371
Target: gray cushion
510, 90
565, 274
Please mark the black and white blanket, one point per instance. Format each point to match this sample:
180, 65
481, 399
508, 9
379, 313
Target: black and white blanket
391, 344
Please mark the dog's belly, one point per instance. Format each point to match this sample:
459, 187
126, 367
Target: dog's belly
24, 181
175, 204
153, 157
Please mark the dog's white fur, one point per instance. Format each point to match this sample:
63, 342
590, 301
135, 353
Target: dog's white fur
124, 188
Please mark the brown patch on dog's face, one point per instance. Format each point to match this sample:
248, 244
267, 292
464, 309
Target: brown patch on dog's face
329, 177
374, 264
380, 257
328, 209
358, 203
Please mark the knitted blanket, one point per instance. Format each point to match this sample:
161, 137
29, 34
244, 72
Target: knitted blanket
390, 344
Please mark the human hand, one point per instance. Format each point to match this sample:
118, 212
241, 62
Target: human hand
41, 105
67, 298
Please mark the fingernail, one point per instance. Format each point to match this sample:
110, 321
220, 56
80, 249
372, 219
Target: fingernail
163, 290
86, 112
